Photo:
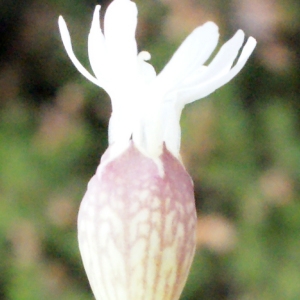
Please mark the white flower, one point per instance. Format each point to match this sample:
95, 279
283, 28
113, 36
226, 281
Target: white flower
137, 220
147, 107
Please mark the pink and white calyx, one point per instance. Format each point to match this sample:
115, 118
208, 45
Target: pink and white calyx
137, 220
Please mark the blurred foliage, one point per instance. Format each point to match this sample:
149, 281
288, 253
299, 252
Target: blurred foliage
241, 146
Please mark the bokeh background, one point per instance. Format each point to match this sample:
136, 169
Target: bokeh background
241, 146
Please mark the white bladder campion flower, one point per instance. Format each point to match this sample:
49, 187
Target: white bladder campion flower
136, 224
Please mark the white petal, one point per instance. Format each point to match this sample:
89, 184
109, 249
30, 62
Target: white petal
220, 65
205, 88
191, 55
68, 46
223, 61
148, 130
171, 125
96, 48
119, 30
120, 20
120, 127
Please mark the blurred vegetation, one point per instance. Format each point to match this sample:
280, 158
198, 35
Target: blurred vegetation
241, 145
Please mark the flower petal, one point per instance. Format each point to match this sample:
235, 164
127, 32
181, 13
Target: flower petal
171, 125
120, 126
191, 55
205, 88
96, 47
119, 29
65, 36
223, 61
220, 65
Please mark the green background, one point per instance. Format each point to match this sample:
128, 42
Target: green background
241, 146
